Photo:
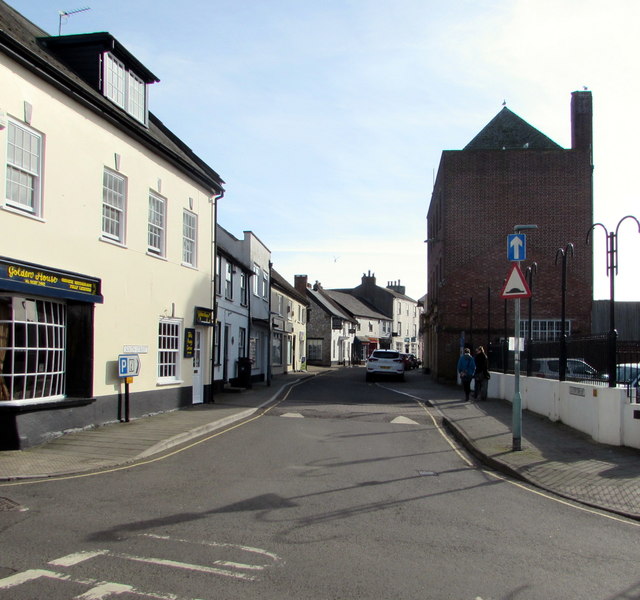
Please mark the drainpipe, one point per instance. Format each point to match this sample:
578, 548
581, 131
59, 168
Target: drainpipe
214, 254
269, 341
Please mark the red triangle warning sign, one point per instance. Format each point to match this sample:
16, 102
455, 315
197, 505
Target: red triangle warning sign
516, 285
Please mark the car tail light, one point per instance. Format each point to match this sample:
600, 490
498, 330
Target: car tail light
398, 360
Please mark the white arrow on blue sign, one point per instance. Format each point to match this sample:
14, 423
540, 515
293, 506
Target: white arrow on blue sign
128, 365
516, 247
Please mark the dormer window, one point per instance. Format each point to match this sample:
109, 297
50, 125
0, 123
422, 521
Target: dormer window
124, 87
108, 67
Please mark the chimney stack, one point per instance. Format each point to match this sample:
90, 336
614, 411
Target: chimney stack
581, 121
300, 283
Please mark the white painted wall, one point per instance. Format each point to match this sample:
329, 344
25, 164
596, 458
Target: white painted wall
138, 288
606, 414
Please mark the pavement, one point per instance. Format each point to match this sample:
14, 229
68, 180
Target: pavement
553, 457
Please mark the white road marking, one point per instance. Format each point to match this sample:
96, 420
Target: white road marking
405, 421
293, 415
77, 558
99, 591
105, 590
274, 557
186, 566
29, 575
235, 565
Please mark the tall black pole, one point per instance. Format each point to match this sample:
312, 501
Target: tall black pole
612, 255
612, 271
531, 270
488, 320
562, 375
471, 321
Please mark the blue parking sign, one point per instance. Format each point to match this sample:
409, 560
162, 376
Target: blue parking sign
128, 365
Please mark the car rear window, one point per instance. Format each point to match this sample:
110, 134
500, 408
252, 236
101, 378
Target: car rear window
385, 354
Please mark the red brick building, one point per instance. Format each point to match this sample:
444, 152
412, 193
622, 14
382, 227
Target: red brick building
509, 174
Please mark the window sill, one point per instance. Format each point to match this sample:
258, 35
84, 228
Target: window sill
188, 266
169, 382
22, 406
112, 242
23, 213
158, 256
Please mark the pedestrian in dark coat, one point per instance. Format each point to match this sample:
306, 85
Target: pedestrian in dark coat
481, 375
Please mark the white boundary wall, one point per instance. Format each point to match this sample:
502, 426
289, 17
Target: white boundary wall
604, 413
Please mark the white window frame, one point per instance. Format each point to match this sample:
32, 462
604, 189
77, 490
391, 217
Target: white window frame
35, 333
218, 274
23, 189
544, 330
114, 206
242, 342
189, 238
124, 88
244, 298
157, 225
216, 343
314, 348
228, 281
136, 97
256, 280
276, 349
169, 350
265, 285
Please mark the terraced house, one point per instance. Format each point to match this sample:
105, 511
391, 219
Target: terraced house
108, 224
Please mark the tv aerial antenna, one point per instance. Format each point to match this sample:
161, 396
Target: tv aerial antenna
63, 14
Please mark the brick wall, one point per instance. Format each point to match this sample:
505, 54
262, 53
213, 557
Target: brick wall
483, 194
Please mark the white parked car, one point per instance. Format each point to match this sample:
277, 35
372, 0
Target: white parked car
387, 363
577, 370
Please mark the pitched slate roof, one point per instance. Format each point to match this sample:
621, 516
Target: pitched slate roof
25, 43
355, 306
327, 304
279, 281
507, 131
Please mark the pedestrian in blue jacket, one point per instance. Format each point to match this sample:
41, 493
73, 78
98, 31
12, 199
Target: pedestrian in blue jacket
466, 370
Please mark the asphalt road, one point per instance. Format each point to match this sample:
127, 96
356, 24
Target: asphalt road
342, 490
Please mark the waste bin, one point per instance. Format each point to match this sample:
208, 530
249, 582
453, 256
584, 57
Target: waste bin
244, 372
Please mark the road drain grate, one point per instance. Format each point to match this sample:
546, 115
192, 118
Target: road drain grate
6, 504
427, 473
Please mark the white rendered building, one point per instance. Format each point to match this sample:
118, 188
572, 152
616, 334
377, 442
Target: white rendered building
108, 222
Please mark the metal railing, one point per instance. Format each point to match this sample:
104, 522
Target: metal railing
587, 360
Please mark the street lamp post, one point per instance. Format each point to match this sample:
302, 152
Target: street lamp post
531, 270
564, 253
517, 398
489, 320
612, 271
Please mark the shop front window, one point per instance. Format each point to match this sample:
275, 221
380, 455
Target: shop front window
32, 348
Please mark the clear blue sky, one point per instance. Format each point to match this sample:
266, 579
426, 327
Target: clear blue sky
327, 119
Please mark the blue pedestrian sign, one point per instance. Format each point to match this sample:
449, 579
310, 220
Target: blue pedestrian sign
516, 247
128, 365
